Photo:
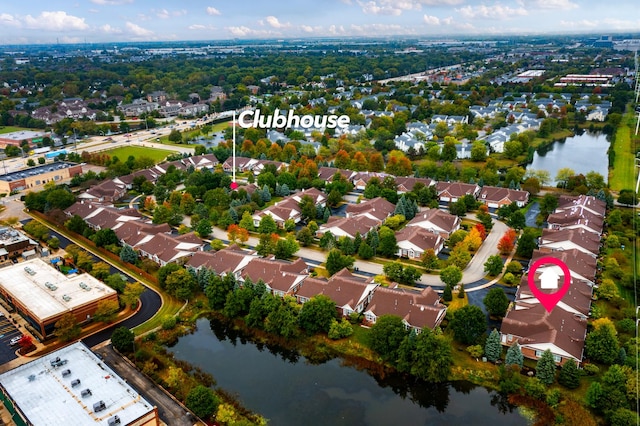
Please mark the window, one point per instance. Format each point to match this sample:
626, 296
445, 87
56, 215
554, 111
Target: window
557, 358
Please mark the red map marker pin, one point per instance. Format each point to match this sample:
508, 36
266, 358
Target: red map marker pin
549, 300
233, 186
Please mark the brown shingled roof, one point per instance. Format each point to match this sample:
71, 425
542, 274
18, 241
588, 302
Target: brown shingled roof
419, 309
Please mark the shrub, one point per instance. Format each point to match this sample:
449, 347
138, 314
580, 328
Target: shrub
535, 388
509, 278
169, 323
553, 397
340, 329
591, 369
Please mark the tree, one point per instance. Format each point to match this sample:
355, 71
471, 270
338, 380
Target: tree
451, 275
569, 375
128, 254
237, 234
122, 339
546, 368
496, 302
203, 228
507, 242
76, 224
527, 243
468, 324
202, 401
67, 328
131, 294
514, 356
267, 225
106, 311
305, 237
365, 251
175, 136
563, 175
432, 358
478, 151
447, 294
429, 260
180, 284
458, 208
246, 221
493, 266
607, 290
492, 347
388, 244
602, 342
336, 261
516, 220
25, 343
386, 335
628, 197
317, 314
101, 270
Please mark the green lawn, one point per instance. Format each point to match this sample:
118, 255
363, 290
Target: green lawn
9, 129
219, 127
136, 151
622, 175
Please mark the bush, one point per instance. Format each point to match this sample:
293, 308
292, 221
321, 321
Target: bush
340, 329
169, 323
553, 397
535, 388
514, 267
591, 369
509, 278
626, 325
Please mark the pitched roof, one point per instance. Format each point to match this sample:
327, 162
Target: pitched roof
327, 173
576, 300
343, 288
377, 208
101, 216
340, 226
576, 216
436, 217
277, 274
589, 241
494, 193
407, 183
136, 232
578, 262
419, 309
536, 326
588, 202
419, 237
456, 189
228, 260
169, 248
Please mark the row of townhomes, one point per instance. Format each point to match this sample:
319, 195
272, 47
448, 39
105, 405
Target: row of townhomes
350, 293
573, 236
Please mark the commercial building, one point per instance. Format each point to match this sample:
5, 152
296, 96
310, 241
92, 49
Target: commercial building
16, 138
14, 243
42, 295
72, 386
35, 177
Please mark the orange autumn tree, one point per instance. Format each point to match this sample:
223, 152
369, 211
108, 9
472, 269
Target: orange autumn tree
237, 234
473, 240
481, 230
507, 242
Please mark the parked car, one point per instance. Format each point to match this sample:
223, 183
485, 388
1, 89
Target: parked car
15, 340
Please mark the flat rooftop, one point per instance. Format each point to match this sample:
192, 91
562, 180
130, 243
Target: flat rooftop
46, 396
35, 171
47, 292
21, 135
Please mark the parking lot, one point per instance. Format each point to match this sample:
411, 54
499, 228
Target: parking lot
7, 332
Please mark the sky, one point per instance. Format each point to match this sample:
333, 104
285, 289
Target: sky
73, 21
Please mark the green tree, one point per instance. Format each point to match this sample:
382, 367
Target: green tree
432, 357
468, 324
386, 335
602, 342
122, 339
336, 261
317, 314
340, 329
569, 376
516, 220
246, 221
527, 243
203, 228
546, 368
165, 271
128, 254
514, 356
116, 282
76, 224
267, 225
492, 347
175, 136
493, 266
451, 275
305, 237
131, 294
106, 311
447, 293
202, 401
628, 197
180, 284
67, 328
496, 302
388, 244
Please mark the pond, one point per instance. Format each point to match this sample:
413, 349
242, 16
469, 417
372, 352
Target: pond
288, 390
584, 152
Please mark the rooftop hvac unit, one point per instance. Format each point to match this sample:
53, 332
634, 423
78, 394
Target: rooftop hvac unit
115, 420
76, 382
66, 373
99, 406
85, 393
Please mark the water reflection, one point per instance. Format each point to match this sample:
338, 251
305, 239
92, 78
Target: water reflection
289, 390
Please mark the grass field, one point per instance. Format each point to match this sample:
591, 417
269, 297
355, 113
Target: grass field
124, 152
219, 127
9, 129
622, 175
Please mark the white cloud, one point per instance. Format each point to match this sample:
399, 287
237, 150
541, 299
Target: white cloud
213, 11
243, 31
553, 4
396, 7
200, 27
138, 31
381, 8
9, 20
108, 29
497, 11
275, 23
440, 2
55, 21
584, 23
111, 2
621, 24
431, 20
163, 14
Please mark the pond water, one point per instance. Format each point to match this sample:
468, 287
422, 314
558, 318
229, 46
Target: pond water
584, 152
289, 390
